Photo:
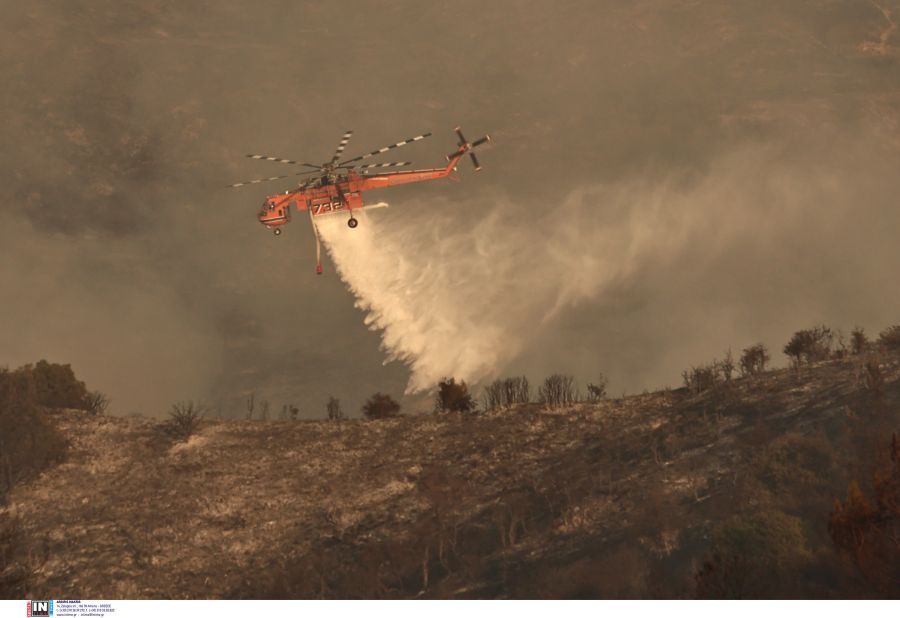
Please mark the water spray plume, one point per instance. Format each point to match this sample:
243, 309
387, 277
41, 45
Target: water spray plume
456, 296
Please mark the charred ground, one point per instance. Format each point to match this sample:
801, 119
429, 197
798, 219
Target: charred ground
723, 493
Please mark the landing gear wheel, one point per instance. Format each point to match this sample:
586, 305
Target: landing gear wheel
352, 222
277, 231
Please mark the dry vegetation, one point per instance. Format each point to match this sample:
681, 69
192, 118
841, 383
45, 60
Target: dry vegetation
772, 484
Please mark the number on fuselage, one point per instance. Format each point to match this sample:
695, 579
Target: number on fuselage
327, 204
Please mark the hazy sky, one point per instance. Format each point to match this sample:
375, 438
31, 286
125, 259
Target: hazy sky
667, 180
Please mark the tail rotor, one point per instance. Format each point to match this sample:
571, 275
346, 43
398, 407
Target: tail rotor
466, 147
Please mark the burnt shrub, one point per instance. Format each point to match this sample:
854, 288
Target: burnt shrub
704, 377
380, 406
726, 367
810, 345
453, 396
335, 413
890, 337
874, 378
558, 390
505, 393
184, 419
96, 402
597, 391
701, 378
289, 412
858, 340
754, 360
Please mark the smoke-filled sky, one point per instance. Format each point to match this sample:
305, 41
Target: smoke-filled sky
667, 180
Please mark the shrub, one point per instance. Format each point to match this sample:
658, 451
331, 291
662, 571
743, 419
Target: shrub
380, 406
506, 393
754, 360
702, 378
492, 396
335, 413
96, 402
597, 391
874, 378
184, 418
251, 406
20, 558
727, 366
453, 396
890, 337
558, 390
810, 345
516, 390
289, 411
858, 340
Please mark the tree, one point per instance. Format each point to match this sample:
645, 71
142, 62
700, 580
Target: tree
754, 555
754, 360
335, 413
810, 345
28, 442
453, 396
380, 406
56, 386
869, 530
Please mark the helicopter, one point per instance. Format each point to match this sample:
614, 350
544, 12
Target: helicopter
336, 186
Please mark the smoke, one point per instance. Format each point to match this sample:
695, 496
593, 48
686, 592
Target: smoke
92, 302
123, 255
463, 290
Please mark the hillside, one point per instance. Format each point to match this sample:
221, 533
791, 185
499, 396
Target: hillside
628, 497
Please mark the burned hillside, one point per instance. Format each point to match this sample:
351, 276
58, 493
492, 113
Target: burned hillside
727, 491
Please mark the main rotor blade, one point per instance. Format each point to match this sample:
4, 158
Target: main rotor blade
462, 140
479, 142
261, 157
256, 181
341, 146
386, 148
475, 161
393, 164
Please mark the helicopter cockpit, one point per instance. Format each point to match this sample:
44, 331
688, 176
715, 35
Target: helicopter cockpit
273, 214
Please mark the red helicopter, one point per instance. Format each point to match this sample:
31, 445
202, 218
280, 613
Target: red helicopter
338, 185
